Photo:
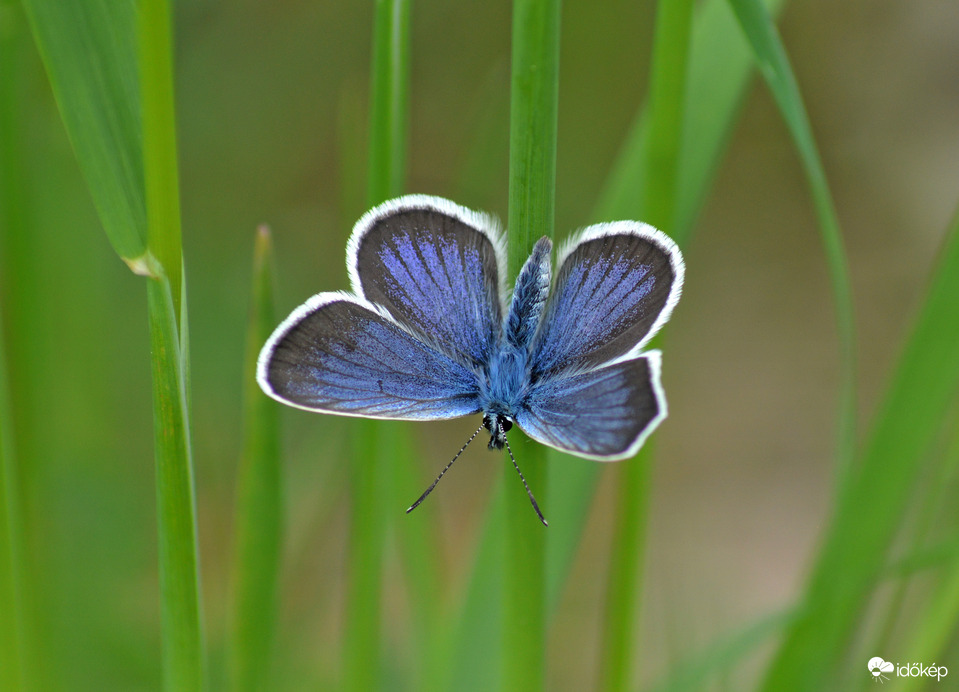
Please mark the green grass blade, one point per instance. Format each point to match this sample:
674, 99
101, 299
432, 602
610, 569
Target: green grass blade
665, 118
534, 97
935, 625
719, 69
176, 520
259, 502
773, 64
667, 96
89, 50
389, 105
875, 498
176, 514
13, 564
720, 64
12, 624
697, 672
389, 100
161, 177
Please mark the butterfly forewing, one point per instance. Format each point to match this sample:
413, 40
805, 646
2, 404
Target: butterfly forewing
614, 289
604, 414
436, 268
339, 354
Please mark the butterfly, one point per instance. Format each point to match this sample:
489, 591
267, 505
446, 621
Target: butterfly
427, 333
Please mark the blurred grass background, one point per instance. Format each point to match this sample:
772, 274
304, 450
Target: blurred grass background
272, 103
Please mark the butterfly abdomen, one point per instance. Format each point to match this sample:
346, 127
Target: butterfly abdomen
529, 296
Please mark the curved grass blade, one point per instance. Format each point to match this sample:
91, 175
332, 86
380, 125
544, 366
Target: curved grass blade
875, 498
259, 502
720, 64
773, 64
90, 53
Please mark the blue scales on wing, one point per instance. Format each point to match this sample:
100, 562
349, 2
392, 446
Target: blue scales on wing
339, 354
613, 291
592, 391
436, 268
604, 414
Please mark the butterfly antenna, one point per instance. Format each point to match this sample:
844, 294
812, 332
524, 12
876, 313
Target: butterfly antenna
528, 491
430, 489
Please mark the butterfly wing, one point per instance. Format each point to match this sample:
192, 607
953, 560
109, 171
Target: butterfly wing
341, 354
436, 267
604, 414
616, 286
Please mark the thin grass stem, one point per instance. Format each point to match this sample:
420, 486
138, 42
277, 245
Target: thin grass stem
671, 44
176, 511
773, 64
259, 498
534, 96
389, 104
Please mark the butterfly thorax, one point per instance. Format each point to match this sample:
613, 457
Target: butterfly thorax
505, 383
503, 393
507, 379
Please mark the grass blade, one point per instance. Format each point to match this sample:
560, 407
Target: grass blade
12, 634
389, 105
176, 514
665, 118
720, 64
13, 563
259, 505
719, 69
90, 53
176, 520
534, 97
667, 96
874, 500
389, 100
773, 64
697, 672
935, 626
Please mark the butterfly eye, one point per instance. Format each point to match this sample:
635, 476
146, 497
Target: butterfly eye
506, 422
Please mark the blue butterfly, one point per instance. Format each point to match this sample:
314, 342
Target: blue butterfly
423, 334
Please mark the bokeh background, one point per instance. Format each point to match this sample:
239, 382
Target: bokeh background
272, 108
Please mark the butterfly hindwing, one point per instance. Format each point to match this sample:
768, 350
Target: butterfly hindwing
437, 268
616, 285
604, 414
339, 354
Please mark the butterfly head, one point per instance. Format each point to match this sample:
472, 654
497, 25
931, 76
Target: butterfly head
497, 424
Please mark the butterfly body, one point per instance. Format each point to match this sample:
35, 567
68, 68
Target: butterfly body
426, 335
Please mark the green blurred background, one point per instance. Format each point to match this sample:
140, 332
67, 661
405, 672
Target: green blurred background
272, 108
